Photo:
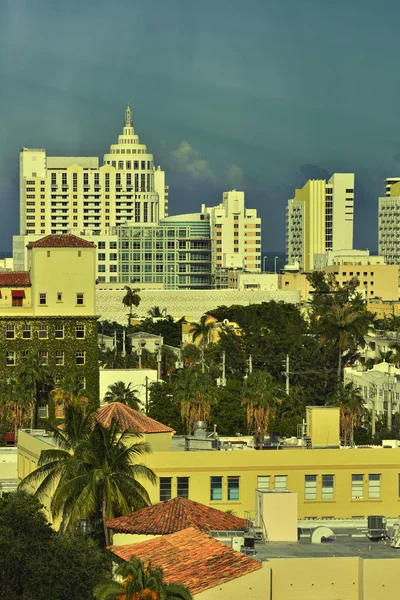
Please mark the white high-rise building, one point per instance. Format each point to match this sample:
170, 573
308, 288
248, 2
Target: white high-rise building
320, 218
389, 224
235, 234
389, 182
58, 194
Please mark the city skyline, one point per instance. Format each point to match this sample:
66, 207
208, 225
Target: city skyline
232, 102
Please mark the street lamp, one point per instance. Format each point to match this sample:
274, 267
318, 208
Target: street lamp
275, 259
264, 263
139, 350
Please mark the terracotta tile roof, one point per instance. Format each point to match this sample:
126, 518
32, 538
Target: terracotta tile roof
61, 241
191, 558
129, 419
11, 278
174, 515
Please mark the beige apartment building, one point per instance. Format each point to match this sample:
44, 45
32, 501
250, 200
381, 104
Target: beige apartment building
235, 233
58, 194
320, 218
376, 281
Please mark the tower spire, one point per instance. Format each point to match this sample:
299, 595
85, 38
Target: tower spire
128, 117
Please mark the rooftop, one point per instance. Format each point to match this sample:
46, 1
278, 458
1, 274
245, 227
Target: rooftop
344, 543
128, 418
11, 278
191, 558
61, 241
174, 515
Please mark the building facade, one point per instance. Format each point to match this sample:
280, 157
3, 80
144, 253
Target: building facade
58, 194
51, 309
235, 233
389, 224
320, 218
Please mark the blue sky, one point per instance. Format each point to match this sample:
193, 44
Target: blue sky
257, 95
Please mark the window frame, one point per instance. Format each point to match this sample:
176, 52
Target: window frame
182, 483
310, 491
233, 491
216, 479
165, 488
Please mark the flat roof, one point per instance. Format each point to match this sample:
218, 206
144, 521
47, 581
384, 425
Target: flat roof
351, 543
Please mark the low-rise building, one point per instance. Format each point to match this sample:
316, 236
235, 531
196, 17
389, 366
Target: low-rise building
51, 308
379, 386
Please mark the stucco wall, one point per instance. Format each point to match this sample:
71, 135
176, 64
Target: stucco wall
191, 304
254, 586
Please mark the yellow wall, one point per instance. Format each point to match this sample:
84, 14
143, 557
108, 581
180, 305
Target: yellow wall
123, 539
376, 281
381, 579
66, 270
316, 579
323, 426
295, 281
294, 463
6, 301
254, 586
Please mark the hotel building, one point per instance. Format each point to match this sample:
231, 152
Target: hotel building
320, 218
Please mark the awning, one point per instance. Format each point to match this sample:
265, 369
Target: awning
18, 293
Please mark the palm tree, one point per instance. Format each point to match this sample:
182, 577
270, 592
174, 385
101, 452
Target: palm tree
140, 582
93, 474
196, 393
261, 395
110, 359
34, 377
69, 392
345, 326
15, 402
352, 408
156, 313
131, 299
202, 329
122, 392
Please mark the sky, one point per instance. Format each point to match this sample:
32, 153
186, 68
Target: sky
258, 95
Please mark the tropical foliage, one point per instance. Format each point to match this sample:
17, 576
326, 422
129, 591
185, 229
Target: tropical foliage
135, 581
38, 562
261, 396
93, 474
123, 393
196, 393
130, 300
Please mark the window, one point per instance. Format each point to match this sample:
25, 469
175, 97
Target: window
113, 246
183, 487
59, 331
101, 245
26, 331
310, 487
113, 256
79, 299
101, 256
42, 298
280, 483
374, 486
59, 357
357, 487
101, 268
42, 331
215, 488
10, 332
80, 357
10, 358
44, 357
165, 488
263, 482
233, 488
43, 412
80, 330
59, 296
327, 487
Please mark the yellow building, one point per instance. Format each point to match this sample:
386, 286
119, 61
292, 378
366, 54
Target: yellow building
329, 482
375, 281
320, 218
51, 309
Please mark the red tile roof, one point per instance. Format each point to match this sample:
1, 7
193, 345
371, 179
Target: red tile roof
61, 241
129, 419
11, 278
191, 558
174, 515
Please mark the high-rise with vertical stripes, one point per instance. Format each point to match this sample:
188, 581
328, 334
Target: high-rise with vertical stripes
320, 218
